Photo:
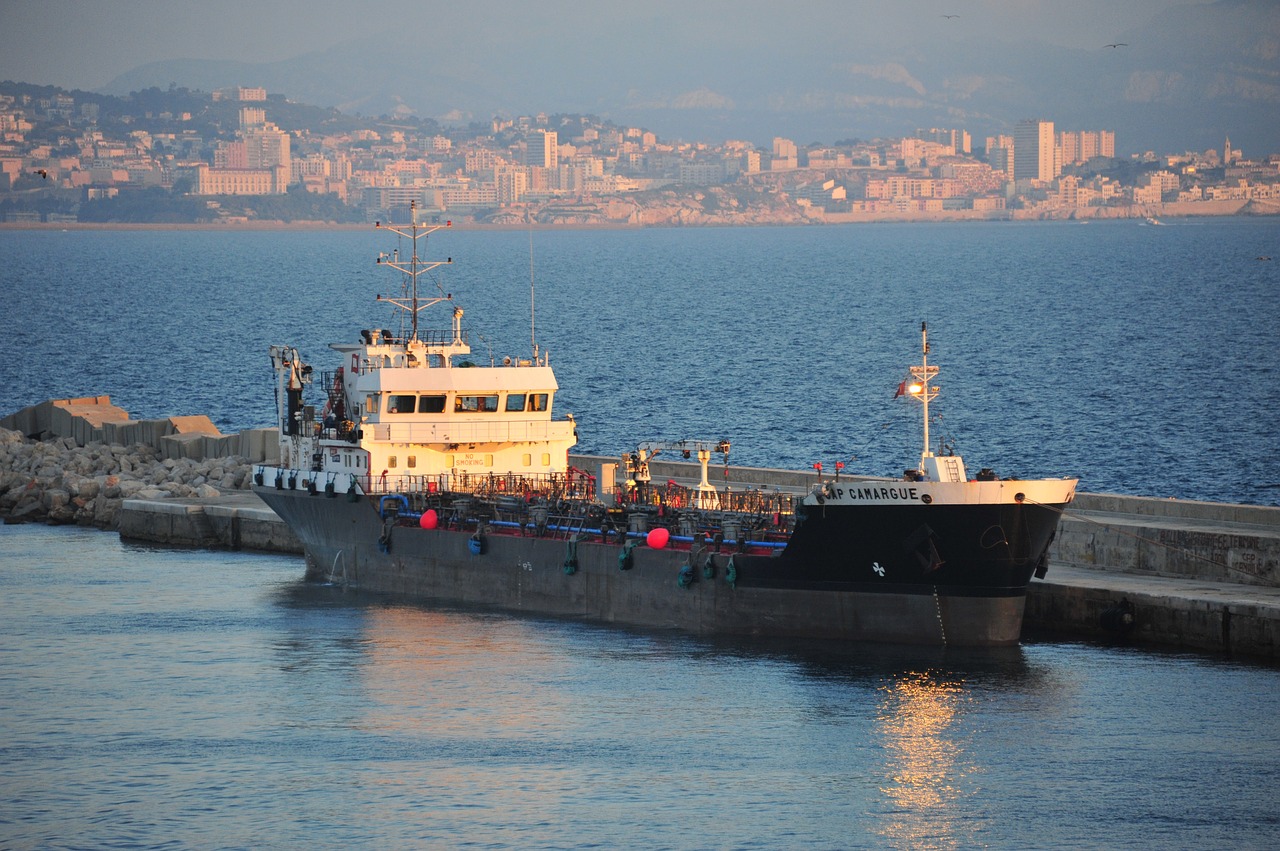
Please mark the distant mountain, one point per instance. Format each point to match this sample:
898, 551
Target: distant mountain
1183, 81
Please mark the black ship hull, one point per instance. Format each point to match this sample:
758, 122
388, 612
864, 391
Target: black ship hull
922, 574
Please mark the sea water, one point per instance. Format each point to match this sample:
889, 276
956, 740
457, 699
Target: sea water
168, 698
154, 697
1141, 359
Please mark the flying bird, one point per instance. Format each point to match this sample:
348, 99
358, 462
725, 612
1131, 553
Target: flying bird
1117, 44
948, 16
42, 172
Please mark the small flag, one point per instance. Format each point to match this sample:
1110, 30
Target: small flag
902, 390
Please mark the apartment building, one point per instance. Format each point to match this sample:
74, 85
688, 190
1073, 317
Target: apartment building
1033, 151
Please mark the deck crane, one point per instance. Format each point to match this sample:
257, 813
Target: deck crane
638, 464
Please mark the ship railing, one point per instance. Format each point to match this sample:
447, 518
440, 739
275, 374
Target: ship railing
574, 485
480, 431
747, 501
438, 339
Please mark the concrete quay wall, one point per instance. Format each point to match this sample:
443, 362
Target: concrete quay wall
238, 521
1202, 542
1219, 617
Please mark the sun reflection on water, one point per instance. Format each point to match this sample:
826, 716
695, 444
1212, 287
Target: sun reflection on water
927, 771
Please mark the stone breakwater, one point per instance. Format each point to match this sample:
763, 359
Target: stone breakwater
77, 460
60, 482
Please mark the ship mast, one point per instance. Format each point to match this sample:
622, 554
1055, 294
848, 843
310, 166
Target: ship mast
533, 324
920, 389
415, 267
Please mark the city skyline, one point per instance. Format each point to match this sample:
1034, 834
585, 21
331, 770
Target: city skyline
154, 156
707, 71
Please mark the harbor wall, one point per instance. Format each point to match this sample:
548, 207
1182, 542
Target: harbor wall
1100, 605
240, 521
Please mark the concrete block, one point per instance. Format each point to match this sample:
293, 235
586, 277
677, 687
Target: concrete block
271, 452
151, 432
60, 421
255, 443
179, 446
221, 446
122, 433
31, 420
196, 424
55, 415
84, 431
80, 419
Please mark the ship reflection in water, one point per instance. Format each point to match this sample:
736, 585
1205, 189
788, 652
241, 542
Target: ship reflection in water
926, 771
479, 679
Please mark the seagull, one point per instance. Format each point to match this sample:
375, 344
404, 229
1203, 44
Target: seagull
1117, 44
42, 172
948, 16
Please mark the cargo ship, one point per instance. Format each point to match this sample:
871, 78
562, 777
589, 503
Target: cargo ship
410, 469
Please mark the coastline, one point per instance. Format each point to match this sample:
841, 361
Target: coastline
1173, 210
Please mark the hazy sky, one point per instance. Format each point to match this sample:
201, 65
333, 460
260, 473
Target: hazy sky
84, 44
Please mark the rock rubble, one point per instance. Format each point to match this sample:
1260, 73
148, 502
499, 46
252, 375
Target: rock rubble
58, 482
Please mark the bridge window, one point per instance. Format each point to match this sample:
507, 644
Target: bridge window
371, 402
538, 401
515, 402
431, 404
397, 404
391, 461
413, 460
476, 404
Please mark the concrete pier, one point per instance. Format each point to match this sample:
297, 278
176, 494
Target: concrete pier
1220, 617
236, 521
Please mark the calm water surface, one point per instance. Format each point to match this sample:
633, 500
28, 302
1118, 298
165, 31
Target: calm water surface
167, 698
1140, 359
